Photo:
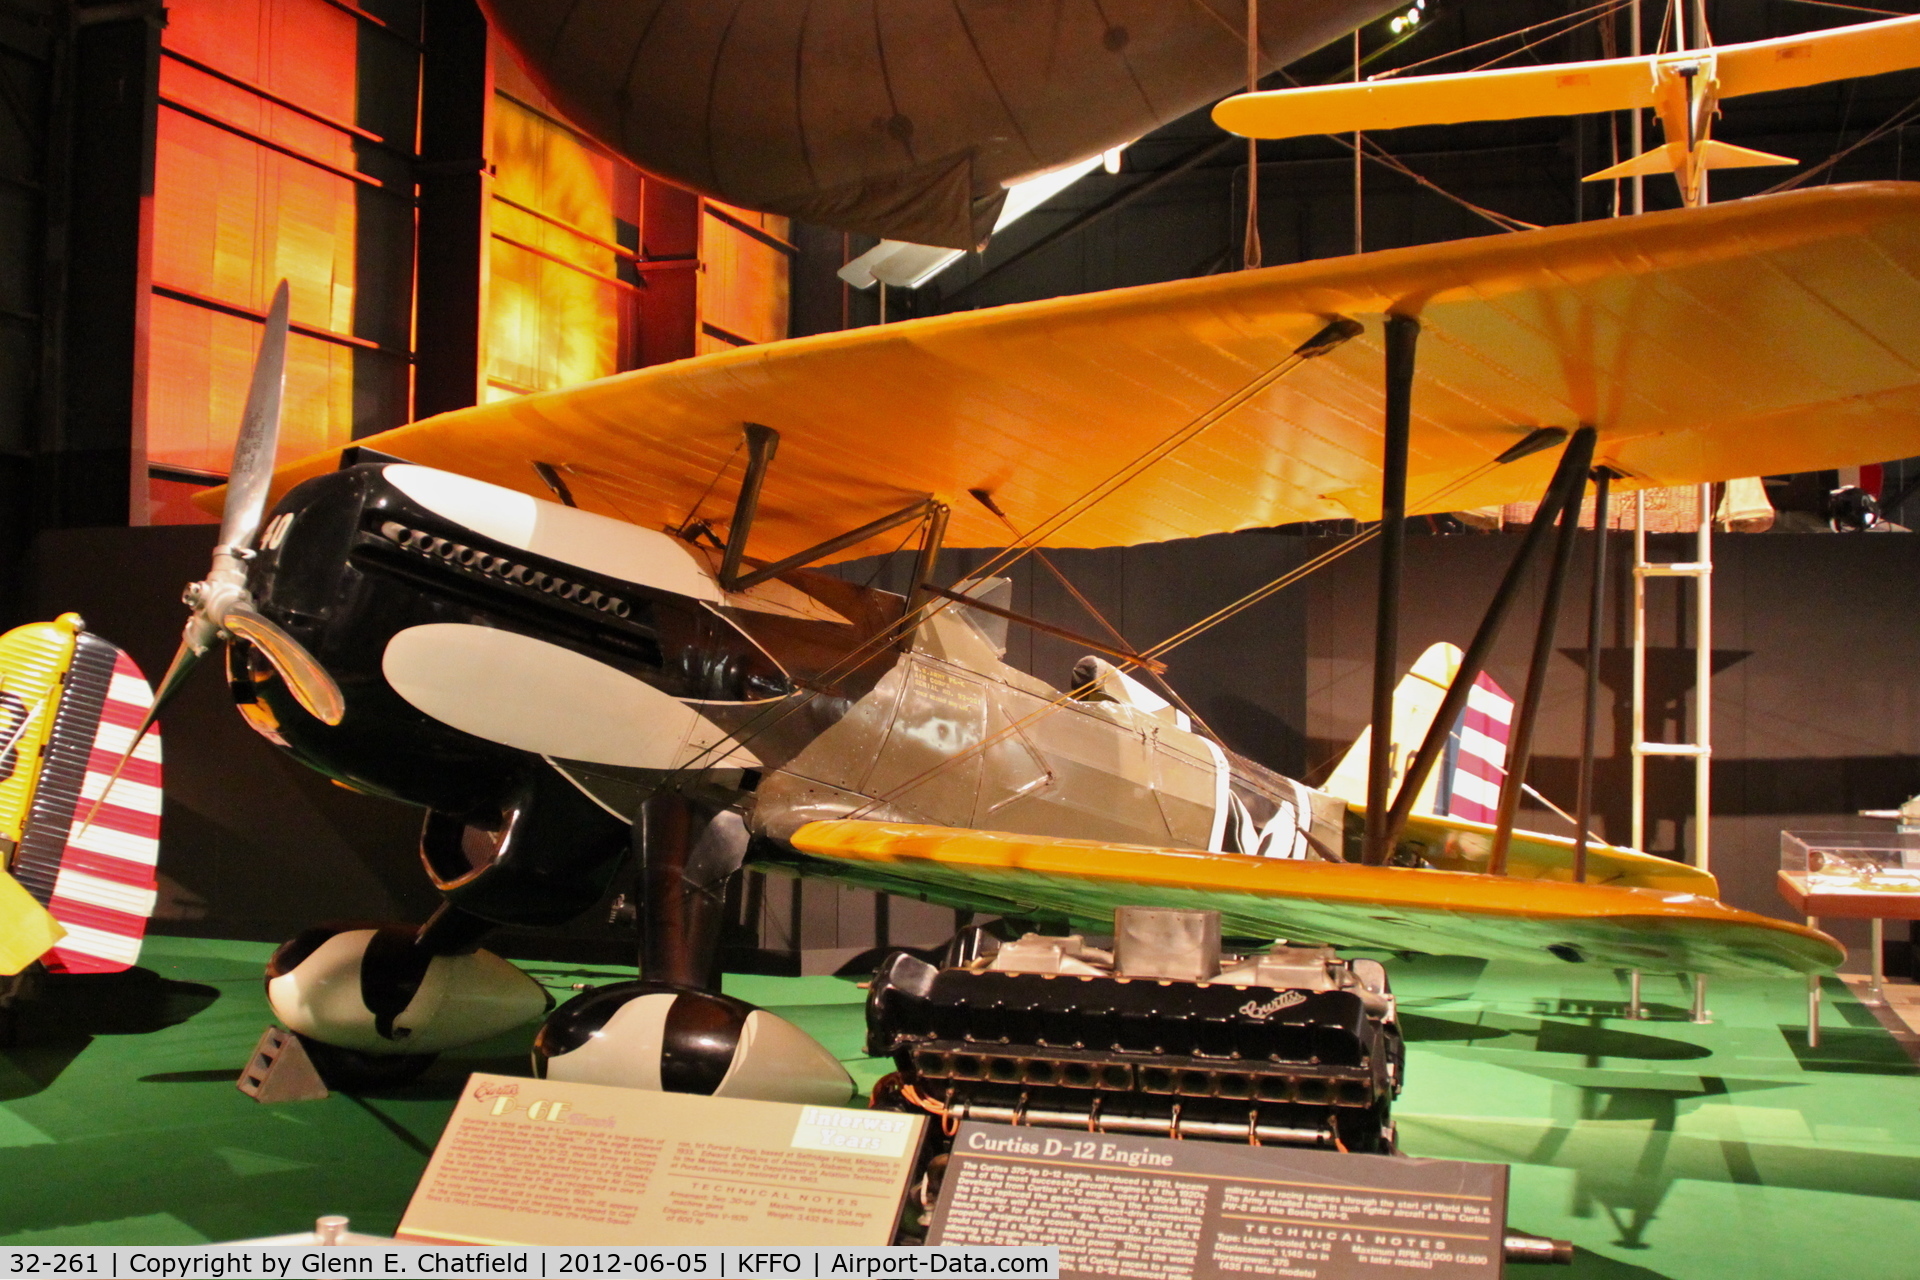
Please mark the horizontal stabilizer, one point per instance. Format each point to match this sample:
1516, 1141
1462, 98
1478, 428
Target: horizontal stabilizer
27, 930
1345, 904
1668, 159
1457, 844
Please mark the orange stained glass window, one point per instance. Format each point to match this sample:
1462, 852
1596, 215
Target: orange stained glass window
743, 277
563, 301
261, 173
596, 267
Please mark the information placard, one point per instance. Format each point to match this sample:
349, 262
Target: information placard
1153, 1209
533, 1162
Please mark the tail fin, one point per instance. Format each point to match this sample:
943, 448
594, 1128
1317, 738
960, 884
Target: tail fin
1467, 782
68, 700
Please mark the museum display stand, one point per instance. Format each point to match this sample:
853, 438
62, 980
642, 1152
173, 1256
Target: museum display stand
1851, 875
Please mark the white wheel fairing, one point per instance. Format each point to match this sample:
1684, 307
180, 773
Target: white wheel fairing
773, 1061
541, 698
625, 1052
778, 1062
598, 544
462, 999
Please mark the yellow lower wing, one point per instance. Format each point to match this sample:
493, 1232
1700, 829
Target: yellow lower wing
1454, 844
1439, 912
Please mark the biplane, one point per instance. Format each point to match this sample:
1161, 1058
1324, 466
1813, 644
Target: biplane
533, 619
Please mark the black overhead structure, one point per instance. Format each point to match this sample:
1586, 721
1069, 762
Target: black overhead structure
1403, 332
1520, 744
1590, 710
455, 183
1566, 478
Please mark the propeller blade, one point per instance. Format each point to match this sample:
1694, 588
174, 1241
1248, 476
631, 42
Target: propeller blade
255, 449
309, 682
194, 641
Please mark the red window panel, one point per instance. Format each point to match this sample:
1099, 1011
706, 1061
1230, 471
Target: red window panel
202, 361
301, 50
231, 218
195, 90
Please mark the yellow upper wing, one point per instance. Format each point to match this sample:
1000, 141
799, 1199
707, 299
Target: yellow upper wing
1745, 338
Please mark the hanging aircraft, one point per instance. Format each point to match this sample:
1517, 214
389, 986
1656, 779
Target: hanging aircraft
532, 620
1684, 87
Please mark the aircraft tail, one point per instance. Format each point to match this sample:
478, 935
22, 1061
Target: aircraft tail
1466, 783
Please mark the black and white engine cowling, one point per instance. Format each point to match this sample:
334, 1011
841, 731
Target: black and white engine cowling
490, 646
492, 650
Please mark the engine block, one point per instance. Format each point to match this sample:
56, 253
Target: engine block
1297, 1047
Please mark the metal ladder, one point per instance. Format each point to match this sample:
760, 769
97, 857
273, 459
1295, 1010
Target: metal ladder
1700, 750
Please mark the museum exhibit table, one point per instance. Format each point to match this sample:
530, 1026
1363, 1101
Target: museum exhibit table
1661, 1148
1850, 875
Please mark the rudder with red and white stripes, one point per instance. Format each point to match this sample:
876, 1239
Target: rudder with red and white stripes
91, 840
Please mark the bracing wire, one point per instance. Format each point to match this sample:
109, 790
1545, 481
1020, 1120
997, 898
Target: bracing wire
1578, 18
779, 711
1166, 646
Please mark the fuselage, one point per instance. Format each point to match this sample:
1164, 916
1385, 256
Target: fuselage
532, 673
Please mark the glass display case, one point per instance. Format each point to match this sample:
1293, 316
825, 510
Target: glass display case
1856, 875
1852, 861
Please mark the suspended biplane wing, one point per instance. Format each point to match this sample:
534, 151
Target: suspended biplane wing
1751, 337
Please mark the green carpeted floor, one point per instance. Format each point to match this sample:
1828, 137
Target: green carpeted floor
1661, 1148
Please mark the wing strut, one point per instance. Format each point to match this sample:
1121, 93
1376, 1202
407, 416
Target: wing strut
931, 540
799, 559
1402, 333
1118, 652
1590, 708
1574, 461
762, 444
1520, 745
